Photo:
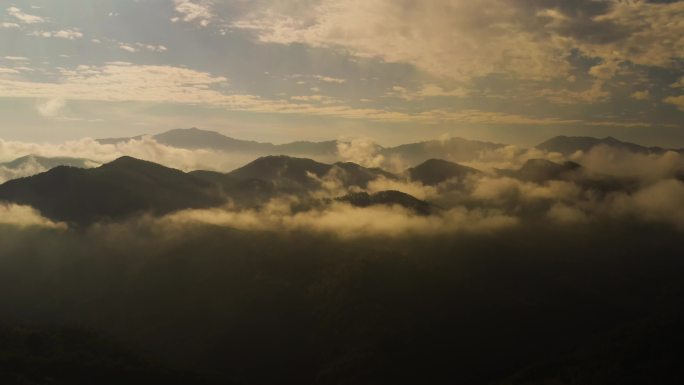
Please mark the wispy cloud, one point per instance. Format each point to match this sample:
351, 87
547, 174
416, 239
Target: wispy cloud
189, 11
24, 17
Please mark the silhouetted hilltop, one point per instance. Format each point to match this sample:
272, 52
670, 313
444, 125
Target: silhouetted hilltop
435, 171
194, 138
541, 170
115, 190
388, 198
289, 173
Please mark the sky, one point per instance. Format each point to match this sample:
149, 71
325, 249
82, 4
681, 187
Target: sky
512, 71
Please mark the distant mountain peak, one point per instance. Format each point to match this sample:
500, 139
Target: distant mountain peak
568, 145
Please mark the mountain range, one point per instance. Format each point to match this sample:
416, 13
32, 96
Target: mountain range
129, 186
70, 191
568, 145
453, 149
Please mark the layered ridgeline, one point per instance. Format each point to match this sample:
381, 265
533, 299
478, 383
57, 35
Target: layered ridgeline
454, 149
411, 154
129, 186
33, 164
569, 145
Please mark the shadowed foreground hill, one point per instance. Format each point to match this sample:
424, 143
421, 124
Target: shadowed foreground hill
271, 308
31, 355
115, 190
128, 186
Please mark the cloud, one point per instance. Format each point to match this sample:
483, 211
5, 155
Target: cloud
612, 161
68, 34
328, 79
127, 48
661, 202
136, 47
646, 33
120, 81
437, 37
677, 101
363, 151
679, 83
9, 25
346, 221
24, 17
145, 148
52, 107
198, 12
427, 91
24, 216
594, 94
641, 95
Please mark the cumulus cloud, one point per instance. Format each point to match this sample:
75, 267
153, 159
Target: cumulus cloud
613, 161
438, 37
363, 151
661, 202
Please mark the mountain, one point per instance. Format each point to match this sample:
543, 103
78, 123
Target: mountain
129, 186
388, 198
32, 164
541, 170
115, 190
324, 149
47, 162
453, 149
118, 140
568, 145
194, 138
292, 174
436, 171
